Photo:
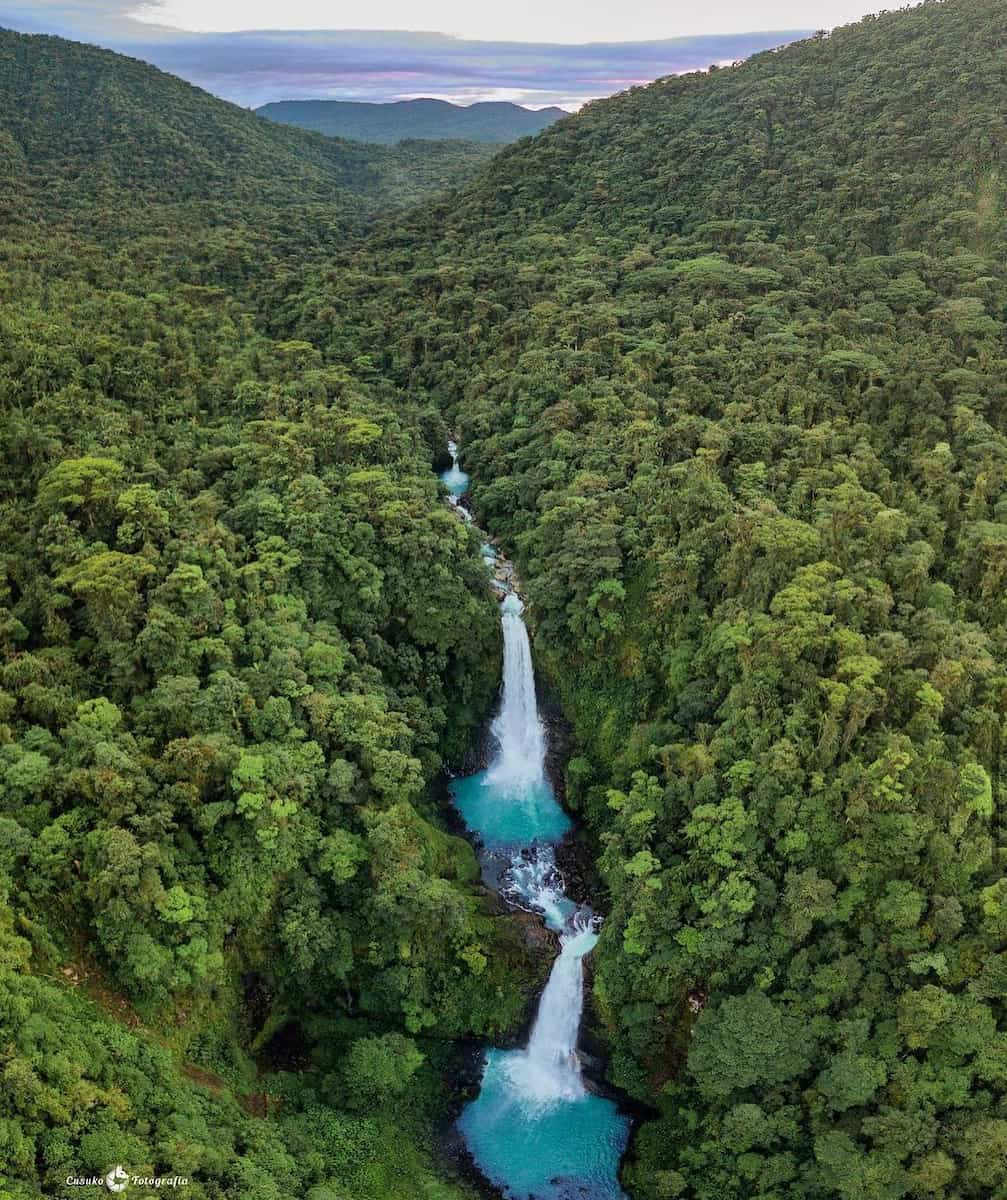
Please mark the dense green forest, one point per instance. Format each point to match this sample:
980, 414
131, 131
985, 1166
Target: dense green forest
726, 357
487, 121
116, 149
239, 632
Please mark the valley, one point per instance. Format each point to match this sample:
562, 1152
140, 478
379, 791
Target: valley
721, 364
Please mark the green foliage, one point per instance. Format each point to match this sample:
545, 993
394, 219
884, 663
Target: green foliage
379, 1067
726, 357
725, 354
240, 631
87, 127
747, 1041
82, 1093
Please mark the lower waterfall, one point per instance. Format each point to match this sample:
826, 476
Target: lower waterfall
549, 1069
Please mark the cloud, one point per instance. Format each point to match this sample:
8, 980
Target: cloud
557, 21
253, 68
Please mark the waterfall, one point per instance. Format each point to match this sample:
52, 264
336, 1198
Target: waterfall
520, 760
548, 1070
457, 483
535, 1130
534, 882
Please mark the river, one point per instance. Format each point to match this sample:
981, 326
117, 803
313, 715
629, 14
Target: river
535, 1130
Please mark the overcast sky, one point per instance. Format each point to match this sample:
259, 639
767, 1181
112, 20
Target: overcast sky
254, 51
569, 21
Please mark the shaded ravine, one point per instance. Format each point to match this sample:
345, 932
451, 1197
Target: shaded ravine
535, 1130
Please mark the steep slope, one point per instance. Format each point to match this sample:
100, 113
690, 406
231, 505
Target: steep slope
726, 358
240, 630
102, 135
489, 121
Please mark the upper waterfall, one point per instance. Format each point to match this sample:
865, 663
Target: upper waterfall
520, 760
457, 482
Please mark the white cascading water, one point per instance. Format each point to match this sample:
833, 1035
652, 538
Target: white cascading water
535, 1129
548, 1070
535, 883
520, 760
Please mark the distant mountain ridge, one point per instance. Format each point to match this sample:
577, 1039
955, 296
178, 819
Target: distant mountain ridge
387, 123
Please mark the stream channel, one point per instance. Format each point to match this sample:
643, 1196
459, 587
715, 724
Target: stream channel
535, 1130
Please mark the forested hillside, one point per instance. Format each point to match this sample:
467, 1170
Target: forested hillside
726, 357
239, 631
109, 145
488, 121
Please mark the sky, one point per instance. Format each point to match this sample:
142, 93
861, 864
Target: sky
568, 21
533, 52
254, 68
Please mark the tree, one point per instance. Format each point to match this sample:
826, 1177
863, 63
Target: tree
747, 1040
376, 1069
